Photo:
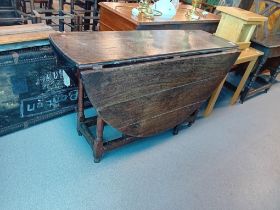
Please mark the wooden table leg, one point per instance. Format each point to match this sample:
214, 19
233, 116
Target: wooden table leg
80, 107
214, 98
274, 74
98, 143
252, 80
243, 81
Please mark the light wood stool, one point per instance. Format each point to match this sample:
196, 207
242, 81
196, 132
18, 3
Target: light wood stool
238, 26
248, 55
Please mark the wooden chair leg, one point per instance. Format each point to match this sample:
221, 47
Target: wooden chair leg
243, 81
214, 98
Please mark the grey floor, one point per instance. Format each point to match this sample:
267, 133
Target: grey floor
230, 160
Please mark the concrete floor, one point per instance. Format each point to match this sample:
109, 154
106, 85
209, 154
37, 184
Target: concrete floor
227, 161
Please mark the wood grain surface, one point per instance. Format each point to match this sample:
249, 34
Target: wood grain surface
148, 98
145, 82
24, 33
117, 17
92, 48
124, 10
272, 41
242, 14
247, 55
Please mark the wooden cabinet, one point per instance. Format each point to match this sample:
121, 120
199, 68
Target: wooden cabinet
117, 17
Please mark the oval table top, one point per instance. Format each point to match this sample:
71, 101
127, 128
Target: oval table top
84, 49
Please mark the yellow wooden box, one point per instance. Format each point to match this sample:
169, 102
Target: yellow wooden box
238, 25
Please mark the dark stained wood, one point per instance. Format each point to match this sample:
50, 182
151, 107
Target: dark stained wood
246, 4
272, 41
152, 126
143, 82
129, 98
112, 21
112, 83
92, 48
24, 33
270, 46
117, 17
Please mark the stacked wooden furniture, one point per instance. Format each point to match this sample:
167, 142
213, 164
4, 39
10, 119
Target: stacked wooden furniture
117, 17
261, 83
237, 26
10, 15
82, 13
267, 41
142, 82
50, 14
47, 4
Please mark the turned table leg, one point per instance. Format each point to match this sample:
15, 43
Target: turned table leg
244, 94
98, 143
80, 107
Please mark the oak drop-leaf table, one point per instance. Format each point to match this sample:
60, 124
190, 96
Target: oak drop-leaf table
142, 82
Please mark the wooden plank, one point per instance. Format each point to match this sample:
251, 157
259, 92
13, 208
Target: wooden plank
104, 27
243, 45
24, 37
247, 55
242, 14
157, 124
159, 103
120, 46
114, 22
120, 9
274, 52
24, 33
24, 45
111, 83
272, 41
28, 28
